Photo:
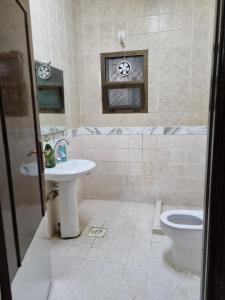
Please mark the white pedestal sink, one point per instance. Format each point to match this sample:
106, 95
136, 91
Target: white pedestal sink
66, 175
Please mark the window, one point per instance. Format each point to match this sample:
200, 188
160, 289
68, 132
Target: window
125, 82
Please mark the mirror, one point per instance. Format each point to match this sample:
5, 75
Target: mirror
50, 97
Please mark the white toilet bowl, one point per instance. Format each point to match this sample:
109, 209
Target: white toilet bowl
185, 228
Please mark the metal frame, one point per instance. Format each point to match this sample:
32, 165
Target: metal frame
143, 85
213, 278
24, 4
4, 278
10, 181
5, 285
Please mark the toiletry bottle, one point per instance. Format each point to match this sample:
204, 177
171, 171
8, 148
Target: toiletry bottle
45, 141
49, 156
61, 152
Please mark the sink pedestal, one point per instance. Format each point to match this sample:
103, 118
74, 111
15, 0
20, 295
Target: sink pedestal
68, 209
67, 174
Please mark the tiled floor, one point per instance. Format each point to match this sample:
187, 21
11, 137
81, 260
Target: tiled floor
129, 263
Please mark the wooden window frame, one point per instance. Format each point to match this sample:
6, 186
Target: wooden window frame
143, 84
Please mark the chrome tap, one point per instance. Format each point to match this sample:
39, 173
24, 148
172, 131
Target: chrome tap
56, 146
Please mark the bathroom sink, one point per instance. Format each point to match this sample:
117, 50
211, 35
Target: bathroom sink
66, 175
65, 171
69, 170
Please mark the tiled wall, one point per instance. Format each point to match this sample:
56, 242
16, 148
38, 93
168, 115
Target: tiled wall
178, 35
53, 30
144, 167
139, 167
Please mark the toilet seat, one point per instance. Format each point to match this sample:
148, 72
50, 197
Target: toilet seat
172, 219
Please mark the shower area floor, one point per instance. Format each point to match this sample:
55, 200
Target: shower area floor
128, 263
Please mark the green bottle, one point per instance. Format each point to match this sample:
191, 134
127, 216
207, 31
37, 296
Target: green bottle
49, 157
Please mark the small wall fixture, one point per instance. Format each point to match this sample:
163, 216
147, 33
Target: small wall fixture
121, 37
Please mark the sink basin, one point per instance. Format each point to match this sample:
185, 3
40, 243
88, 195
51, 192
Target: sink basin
65, 171
69, 170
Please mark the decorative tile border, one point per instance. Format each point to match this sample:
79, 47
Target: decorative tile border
184, 130
46, 130
191, 130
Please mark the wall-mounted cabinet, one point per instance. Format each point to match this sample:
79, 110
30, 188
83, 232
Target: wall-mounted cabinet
50, 88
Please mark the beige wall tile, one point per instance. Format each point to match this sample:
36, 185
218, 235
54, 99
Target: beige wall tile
184, 4
150, 155
172, 156
118, 9
170, 168
135, 141
120, 141
183, 37
149, 141
92, 141
167, 6
166, 22
151, 7
201, 18
135, 154
134, 8
147, 195
201, 3
172, 184
166, 73
183, 54
200, 36
115, 155
167, 39
137, 168
107, 141
183, 19
167, 56
94, 154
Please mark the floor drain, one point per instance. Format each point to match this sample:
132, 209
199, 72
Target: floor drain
97, 232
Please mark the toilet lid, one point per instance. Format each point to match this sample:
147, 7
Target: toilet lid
183, 219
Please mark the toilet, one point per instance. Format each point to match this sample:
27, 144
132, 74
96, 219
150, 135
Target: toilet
184, 228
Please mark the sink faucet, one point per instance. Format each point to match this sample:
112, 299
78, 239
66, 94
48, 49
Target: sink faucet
56, 147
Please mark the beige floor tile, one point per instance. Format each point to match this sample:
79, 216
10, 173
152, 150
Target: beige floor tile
128, 263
